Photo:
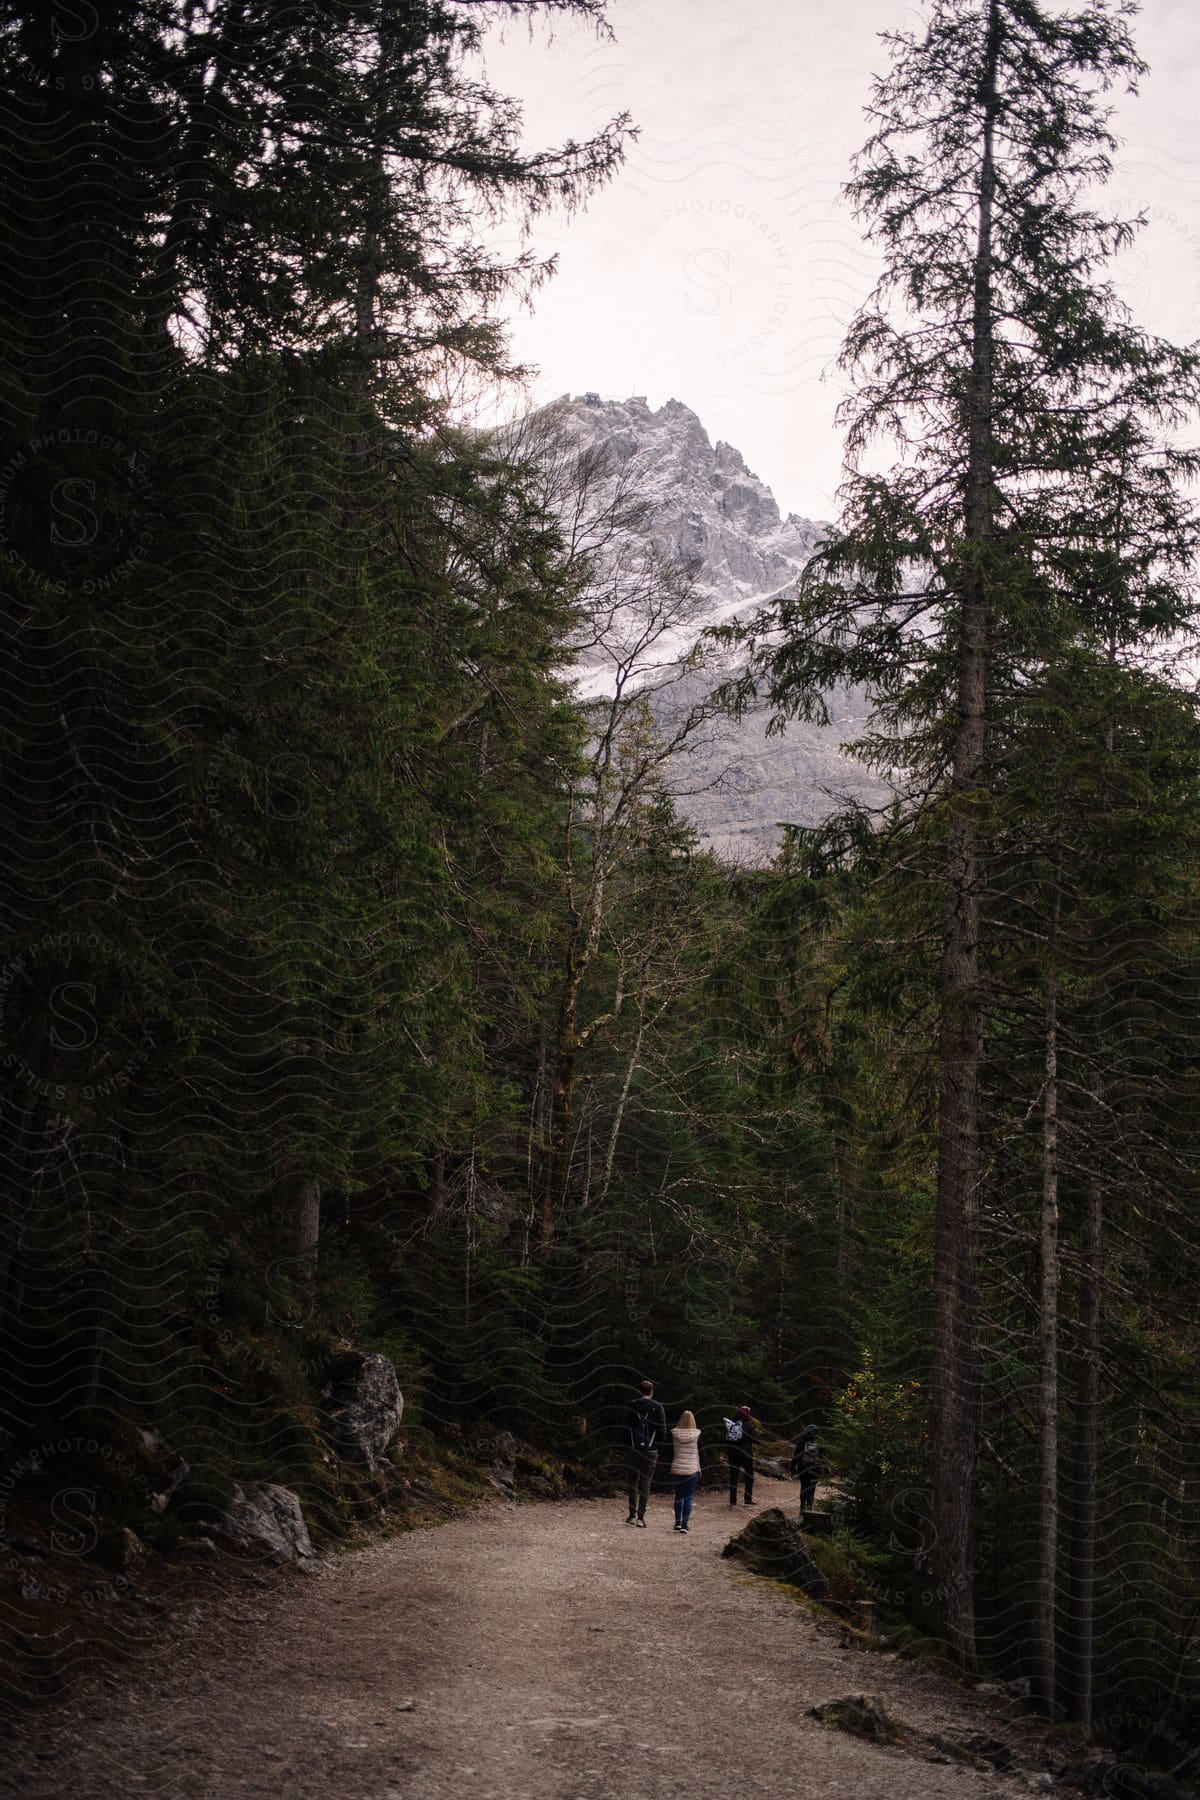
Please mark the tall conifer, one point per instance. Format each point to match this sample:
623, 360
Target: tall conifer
1011, 489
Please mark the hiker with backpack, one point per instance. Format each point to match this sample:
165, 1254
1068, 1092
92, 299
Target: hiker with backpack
739, 1443
645, 1430
685, 1467
806, 1459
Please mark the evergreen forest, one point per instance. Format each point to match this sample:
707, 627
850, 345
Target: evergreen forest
363, 987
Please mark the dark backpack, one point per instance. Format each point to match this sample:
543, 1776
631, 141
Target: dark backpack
643, 1430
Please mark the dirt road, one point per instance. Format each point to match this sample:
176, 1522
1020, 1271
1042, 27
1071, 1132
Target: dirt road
541, 1652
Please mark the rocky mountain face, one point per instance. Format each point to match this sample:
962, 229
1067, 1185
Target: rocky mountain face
706, 511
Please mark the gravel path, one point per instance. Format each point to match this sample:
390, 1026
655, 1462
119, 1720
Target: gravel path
541, 1652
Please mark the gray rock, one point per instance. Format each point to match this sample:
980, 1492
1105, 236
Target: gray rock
265, 1517
775, 1467
504, 1458
365, 1407
773, 1545
118, 1549
981, 1751
175, 1480
863, 1716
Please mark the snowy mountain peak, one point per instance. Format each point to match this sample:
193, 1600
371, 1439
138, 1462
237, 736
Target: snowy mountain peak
709, 509
708, 512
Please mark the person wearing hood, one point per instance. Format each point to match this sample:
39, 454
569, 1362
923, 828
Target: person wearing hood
739, 1442
805, 1460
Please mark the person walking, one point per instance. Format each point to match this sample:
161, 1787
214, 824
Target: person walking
685, 1467
645, 1430
739, 1442
806, 1459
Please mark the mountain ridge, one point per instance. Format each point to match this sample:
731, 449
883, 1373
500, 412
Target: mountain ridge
707, 512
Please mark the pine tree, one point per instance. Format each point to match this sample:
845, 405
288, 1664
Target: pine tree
269, 620
1032, 500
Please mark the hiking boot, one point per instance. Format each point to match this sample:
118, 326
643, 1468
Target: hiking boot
632, 1519
640, 1521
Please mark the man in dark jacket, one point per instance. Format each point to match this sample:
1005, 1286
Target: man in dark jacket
806, 1459
741, 1456
645, 1435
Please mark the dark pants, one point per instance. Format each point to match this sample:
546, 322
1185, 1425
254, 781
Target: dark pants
808, 1492
640, 1475
743, 1460
685, 1493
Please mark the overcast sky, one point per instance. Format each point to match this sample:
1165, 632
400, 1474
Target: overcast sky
720, 267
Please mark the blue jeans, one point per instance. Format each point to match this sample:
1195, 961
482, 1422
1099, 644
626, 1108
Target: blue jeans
685, 1493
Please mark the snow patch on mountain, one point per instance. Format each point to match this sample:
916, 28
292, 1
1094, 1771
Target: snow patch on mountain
707, 512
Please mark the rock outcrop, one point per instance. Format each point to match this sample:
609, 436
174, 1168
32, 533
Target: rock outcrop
773, 1545
365, 1407
171, 1473
504, 1463
863, 1716
263, 1517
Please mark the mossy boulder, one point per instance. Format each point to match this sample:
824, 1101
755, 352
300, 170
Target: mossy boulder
774, 1545
863, 1716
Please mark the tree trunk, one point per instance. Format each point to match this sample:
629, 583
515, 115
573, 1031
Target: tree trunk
561, 1106
839, 1173
306, 1216
436, 1167
1078, 1658
954, 1397
610, 1154
1078, 1651
535, 1149
581, 950
1042, 1671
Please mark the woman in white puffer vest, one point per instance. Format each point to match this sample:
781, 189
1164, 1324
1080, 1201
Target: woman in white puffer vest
685, 1467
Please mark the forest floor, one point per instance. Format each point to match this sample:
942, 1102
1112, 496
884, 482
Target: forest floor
528, 1652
